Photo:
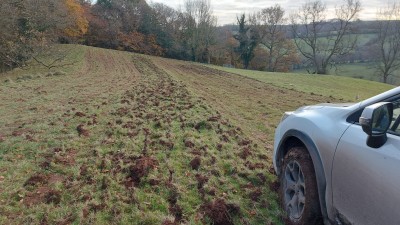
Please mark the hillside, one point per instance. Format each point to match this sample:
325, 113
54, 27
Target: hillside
130, 139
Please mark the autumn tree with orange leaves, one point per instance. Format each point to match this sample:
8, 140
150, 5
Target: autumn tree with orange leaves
80, 25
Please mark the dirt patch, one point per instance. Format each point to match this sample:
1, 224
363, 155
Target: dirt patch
169, 222
141, 168
167, 143
201, 180
274, 186
176, 211
42, 195
189, 143
243, 142
219, 212
253, 166
35, 180
246, 152
262, 177
67, 158
255, 195
80, 114
21, 132
195, 163
82, 131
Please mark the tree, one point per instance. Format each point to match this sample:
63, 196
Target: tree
320, 41
27, 28
80, 25
168, 28
248, 40
199, 29
281, 51
388, 41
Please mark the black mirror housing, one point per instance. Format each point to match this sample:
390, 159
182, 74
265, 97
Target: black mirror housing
375, 122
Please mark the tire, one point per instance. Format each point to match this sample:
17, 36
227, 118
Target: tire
298, 190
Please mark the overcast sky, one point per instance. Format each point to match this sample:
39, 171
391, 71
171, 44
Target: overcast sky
227, 10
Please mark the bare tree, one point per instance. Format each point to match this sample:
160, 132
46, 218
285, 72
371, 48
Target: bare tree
388, 41
273, 37
199, 28
27, 27
320, 40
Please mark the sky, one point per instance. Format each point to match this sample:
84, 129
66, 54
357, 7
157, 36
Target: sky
227, 10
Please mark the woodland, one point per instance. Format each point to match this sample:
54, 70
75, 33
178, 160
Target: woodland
269, 39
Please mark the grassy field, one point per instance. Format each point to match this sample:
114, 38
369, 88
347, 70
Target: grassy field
120, 138
364, 71
339, 87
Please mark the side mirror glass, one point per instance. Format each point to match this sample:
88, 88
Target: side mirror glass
375, 121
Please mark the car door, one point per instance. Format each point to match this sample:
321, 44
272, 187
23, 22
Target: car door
365, 180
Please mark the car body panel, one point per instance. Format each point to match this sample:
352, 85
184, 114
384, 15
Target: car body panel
365, 180
316, 122
325, 125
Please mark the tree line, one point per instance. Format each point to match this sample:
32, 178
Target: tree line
267, 39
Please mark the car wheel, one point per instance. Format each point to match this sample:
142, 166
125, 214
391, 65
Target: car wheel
298, 190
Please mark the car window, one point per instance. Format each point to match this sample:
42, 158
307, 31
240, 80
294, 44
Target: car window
395, 124
354, 117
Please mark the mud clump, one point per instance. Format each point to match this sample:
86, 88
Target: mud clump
169, 222
253, 166
52, 196
80, 114
141, 168
154, 182
219, 212
166, 143
245, 153
203, 125
189, 143
36, 180
195, 163
17, 133
176, 210
214, 118
42, 195
262, 178
244, 142
201, 180
219, 146
256, 194
271, 170
274, 186
82, 131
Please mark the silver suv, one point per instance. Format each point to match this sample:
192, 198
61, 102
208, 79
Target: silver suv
340, 164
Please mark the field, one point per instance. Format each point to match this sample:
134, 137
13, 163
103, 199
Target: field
340, 88
120, 138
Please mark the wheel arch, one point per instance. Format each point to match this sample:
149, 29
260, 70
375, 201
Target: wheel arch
295, 138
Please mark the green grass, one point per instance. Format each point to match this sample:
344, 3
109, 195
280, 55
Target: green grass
339, 87
71, 59
116, 138
112, 141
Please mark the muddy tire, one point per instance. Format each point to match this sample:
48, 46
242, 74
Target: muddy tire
298, 191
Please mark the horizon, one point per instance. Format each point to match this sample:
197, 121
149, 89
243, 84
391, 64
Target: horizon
226, 11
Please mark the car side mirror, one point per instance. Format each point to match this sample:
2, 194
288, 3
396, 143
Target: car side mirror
375, 121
